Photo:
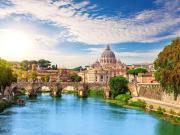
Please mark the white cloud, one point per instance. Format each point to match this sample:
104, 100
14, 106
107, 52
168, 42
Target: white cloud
81, 27
128, 57
138, 57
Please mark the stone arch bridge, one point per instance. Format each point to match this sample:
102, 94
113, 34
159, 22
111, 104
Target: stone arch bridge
56, 88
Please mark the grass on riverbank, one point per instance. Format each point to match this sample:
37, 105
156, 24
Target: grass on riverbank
126, 101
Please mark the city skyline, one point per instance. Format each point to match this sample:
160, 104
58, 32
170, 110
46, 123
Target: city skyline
73, 32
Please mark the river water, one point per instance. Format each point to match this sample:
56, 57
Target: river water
70, 115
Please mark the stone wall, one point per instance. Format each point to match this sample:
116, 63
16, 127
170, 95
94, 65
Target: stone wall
169, 98
152, 91
133, 89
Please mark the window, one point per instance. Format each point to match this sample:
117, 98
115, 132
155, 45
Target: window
101, 78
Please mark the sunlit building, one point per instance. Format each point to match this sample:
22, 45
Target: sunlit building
104, 68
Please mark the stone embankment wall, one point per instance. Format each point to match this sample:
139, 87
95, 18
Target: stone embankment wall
152, 91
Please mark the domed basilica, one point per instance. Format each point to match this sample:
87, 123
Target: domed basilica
104, 68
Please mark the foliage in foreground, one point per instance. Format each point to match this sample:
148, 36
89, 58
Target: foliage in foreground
139, 103
96, 93
118, 85
6, 75
167, 67
75, 78
123, 98
4, 105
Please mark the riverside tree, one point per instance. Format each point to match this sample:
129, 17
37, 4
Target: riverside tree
75, 78
44, 63
167, 67
6, 75
33, 75
136, 71
118, 85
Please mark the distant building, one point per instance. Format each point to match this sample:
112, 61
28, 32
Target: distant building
146, 77
53, 74
148, 66
63, 75
104, 68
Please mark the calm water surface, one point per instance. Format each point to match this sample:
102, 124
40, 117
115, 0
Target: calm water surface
70, 115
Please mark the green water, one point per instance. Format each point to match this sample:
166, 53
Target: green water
70, 115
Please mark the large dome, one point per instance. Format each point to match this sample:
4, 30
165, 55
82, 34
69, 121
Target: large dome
108, 57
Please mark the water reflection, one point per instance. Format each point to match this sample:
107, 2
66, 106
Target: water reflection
70, 115
164, 128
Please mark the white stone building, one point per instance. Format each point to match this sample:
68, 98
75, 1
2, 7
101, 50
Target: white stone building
105, 68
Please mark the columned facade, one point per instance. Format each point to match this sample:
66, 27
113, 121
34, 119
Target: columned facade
104, 68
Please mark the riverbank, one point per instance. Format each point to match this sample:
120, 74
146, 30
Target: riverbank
157, 103
4, 105
158, 111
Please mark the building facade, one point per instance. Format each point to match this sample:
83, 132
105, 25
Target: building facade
104, 68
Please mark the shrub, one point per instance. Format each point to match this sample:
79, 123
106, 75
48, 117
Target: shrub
159, 110
96, 93
178, 113
164, 110
4, 105
123, 98
118, 85
151, 107
172, 112
139, 103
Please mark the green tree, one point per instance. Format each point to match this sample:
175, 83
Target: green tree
27, 65
33, 75
46, 78
54, 67
6, 75
167, 67
118, 85
77, 68
44, 63
137, 71
75, 78
24, 65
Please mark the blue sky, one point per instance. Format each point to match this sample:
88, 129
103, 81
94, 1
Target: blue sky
75, 32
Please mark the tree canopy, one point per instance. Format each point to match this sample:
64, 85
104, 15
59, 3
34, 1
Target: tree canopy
27, 64
118, 85
6, 75
137, 71
167, 67
77, 68
46, 78
75, 78
44, 63
33, 75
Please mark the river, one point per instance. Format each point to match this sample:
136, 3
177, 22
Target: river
70, 115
